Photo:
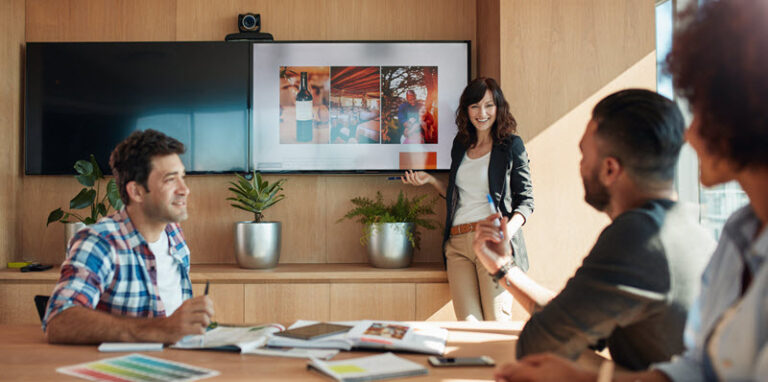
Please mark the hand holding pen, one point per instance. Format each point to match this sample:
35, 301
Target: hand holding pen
489, 244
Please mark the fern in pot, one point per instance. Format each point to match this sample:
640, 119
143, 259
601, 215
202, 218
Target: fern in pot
390, 229
257, 242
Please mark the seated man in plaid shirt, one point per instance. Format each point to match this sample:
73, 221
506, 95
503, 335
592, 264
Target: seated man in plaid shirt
126, 278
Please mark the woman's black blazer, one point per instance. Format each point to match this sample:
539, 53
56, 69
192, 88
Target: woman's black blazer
509, 181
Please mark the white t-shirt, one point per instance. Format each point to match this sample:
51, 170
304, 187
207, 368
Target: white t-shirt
168, 274
472, 185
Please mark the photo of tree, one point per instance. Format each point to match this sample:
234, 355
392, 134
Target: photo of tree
409, 104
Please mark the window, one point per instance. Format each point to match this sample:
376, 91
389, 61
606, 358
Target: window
716, 204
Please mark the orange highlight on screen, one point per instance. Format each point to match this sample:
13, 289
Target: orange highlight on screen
418, 160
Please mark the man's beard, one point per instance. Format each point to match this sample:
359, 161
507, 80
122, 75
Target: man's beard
595, 194
164, 212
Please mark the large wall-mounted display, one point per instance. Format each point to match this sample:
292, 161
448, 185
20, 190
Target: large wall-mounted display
84, 98
239, 106
356, 106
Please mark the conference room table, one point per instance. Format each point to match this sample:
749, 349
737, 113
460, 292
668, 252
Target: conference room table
26, 356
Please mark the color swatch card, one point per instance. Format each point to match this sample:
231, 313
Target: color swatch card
137, 368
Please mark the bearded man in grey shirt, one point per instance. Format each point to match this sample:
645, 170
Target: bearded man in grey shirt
634, 288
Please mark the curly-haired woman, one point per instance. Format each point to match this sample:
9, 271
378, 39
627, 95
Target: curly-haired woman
487, 158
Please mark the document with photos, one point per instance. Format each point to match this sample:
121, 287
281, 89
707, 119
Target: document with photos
367, 334
370, 368
242, 339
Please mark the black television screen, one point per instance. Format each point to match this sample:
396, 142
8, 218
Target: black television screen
84, 98
356, 106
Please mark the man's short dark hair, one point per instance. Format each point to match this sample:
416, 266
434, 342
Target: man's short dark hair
643, 131
718, 62
131, 160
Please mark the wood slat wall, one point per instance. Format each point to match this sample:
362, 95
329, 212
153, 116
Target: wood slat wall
11, 67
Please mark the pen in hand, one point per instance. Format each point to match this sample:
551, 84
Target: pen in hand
202, 337
493, 211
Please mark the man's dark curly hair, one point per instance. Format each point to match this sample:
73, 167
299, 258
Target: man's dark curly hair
719, 62
505, 124
131, 160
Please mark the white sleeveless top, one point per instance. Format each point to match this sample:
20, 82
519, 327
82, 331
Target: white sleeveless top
472, 186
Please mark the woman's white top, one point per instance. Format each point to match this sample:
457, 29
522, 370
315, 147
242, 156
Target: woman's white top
472, 185
168, 274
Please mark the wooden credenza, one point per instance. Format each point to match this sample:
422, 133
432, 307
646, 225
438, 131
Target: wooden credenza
283, 294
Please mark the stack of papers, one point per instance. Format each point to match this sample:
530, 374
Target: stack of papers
367, 334
242, 339
371, 368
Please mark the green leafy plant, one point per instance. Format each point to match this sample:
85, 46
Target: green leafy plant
255, 196
89, 175
403, 210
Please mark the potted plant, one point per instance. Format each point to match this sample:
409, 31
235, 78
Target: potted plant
90, 176
257, 242
390, 229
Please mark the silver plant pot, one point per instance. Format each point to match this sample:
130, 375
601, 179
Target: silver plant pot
388, 246
70, 229
257, 245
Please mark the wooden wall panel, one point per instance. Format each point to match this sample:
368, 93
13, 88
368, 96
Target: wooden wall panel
101, 20
11, 67
286, 303
373, 301
313, 202
488, 38
18, 304
559, 57
433, 303
556, 53
228, 301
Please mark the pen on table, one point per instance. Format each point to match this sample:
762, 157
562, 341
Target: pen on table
394, 177
207, 284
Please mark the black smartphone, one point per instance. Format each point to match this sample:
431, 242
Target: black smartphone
314, 331
461, 361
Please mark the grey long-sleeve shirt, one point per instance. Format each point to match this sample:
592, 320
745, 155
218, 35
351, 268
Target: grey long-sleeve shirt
633, 289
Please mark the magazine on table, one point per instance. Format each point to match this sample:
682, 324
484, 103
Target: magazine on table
244, 339
370, 368
368, 334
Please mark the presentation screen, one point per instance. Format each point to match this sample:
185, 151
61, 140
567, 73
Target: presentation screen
355, 106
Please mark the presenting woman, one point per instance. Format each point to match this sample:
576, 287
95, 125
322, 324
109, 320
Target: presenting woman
487, 158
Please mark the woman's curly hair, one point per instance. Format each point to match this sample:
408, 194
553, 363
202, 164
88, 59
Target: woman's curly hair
505, 124
719, 62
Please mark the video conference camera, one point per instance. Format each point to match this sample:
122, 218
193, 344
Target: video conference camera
249, 25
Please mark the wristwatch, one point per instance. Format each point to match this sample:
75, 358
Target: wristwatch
501, 272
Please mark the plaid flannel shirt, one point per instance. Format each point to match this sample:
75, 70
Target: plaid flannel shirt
110, 267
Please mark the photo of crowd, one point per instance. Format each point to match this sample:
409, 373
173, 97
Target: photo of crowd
296, 127
409, 104
355, 104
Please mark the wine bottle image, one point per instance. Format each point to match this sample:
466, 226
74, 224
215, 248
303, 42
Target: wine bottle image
304, 117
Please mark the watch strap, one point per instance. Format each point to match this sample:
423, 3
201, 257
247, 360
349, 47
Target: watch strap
501, 272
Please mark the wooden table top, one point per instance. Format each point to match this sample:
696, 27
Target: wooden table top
26, 356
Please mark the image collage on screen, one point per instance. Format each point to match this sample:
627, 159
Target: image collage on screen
358, 105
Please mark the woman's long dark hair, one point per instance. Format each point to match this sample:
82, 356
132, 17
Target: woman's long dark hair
505, 124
